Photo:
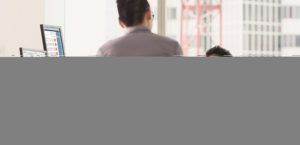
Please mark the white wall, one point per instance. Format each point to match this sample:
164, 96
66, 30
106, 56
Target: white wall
20, 20
89, 24
55, 12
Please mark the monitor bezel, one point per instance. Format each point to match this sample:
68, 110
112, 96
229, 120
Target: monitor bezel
43, 28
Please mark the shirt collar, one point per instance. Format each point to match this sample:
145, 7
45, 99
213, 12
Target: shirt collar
138, 29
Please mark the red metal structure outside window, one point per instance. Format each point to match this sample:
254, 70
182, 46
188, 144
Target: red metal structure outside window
198, 13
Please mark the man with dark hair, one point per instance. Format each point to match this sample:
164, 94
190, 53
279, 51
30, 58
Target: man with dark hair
218, 52
135, 16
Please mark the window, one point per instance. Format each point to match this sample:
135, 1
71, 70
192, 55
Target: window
268, 16
298, 12
172, 14
262, 42
250, 12
274, 43
279, 14
298, 41
254, 26
256, 13
279, 43
291, 12
284, 41
287, 41
173, 18
291, 41
205, 43
284, 12
154, 7
268, 43
271, 44
256, 42
245, 40
244, 12
250, 42
273, 14
261, 10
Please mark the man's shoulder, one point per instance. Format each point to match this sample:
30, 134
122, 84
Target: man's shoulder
164, 38
113, 42
148, 38
109, 45
129, 38
169, 44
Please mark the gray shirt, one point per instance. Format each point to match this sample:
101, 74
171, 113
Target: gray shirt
140, 41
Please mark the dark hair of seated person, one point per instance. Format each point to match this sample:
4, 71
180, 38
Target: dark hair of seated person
218, 51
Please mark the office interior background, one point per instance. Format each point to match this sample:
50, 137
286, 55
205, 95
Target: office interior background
247, 28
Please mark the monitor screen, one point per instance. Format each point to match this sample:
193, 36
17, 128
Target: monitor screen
52, 40
32, 53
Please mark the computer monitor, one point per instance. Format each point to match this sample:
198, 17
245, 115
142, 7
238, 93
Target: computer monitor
52, 41
32, 53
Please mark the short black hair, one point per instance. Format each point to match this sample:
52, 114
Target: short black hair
131, 12
218, 51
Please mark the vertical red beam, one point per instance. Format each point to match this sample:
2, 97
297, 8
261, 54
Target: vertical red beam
184, 29
187, 10
221, 22
181, 26
198, 39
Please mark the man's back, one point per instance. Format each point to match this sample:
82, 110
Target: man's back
139, 41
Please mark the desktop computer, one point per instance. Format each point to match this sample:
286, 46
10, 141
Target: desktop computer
52, 41
32, 53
